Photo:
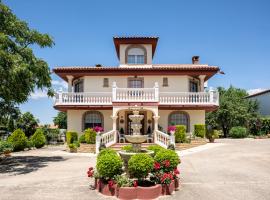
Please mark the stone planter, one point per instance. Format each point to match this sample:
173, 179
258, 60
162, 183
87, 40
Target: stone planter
73, 150
104, 189
126, 193
168, 189
176, 184
152, 192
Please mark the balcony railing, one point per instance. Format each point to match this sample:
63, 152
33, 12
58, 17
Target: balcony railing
137, 95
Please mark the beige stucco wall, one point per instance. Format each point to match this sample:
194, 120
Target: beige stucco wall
196, 117
74, 120
176, 83
123, 48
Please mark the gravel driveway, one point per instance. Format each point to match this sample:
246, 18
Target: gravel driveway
230, 169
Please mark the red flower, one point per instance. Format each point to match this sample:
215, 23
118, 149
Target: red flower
166, 163
91, 168
110, 183
135, 183
176, 171
90, 173
156, 166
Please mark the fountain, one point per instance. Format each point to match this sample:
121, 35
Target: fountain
136, 139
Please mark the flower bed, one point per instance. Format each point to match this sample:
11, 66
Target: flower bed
147, 177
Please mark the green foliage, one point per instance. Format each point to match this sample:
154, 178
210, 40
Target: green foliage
170, 155
20, 70
199, 130
171, 147
71, 137
238, 132
155, 148
127, 148
38, 139
82, 138
106, 151
90, 136
51, 134
254, 125
265, 128
123, 181
5, 147
18, 140
28, 123
61, 120
72, 146
234, 110
29, 144
212, 134
109, 165
77, 143
180, 134
139, 165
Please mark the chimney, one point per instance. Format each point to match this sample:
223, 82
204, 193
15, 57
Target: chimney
98, 65
195, 59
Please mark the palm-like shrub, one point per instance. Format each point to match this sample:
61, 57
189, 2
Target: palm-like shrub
38, 138
168, 155
180, 134
139, 165
18, 140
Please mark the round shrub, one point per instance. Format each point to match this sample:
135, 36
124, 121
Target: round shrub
71, 137
106, 151
109, 165
238, 132
139, 165
199, 130
82, 138
155, 148
90, 136
180, 134
18, 140
168, 155
38, 139
5, 147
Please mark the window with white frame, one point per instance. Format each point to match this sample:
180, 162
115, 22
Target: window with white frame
92, 119
179, 118
78, 86
135, 55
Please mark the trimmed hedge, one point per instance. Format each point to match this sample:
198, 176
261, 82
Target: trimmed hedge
139, 165
18, 140
199, 130
238, 132
106, 151
90, 136
155, 148
180, 134
109, 165
71, 137
82, 138
170, 155
38, 139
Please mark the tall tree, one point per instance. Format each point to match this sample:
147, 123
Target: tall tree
61, 120
28, 123
234, 110
20, 70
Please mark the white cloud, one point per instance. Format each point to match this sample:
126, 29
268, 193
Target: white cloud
38, 94
60, 83
254, 91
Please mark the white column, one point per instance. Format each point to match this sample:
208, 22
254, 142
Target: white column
156, 91
156, 122
114, 118
70, 78
97, 143
202, 77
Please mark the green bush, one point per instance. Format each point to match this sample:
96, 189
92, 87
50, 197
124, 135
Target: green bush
106, 151
155, 148
30, 144
71, 137
38, 138
82, 138
139, 165
5, 147
109, 165
199, 130
90, 136
265, 128
170, 155
238, 132
212, 134
180, 134
127, 148
18, 140
72, 146
254, 125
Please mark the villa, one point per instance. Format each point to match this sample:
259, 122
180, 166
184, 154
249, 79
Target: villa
166, 94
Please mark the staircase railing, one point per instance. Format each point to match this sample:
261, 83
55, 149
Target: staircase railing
163, 139
108, 139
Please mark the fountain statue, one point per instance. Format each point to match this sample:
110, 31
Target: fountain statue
136, 139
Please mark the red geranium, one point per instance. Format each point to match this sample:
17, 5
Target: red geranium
90, 172
166, 163
110, 183
135, 183
166, 178
176, 171
156, 166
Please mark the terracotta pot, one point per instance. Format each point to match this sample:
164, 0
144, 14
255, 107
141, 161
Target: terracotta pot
212, 140
152, 192
73, 150
126, 193
104, 189
176, 184
168, 189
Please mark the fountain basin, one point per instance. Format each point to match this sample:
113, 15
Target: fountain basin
136, 139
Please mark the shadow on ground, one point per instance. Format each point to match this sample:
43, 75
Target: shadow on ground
17, 165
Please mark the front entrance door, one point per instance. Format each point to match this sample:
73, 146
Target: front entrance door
128, 124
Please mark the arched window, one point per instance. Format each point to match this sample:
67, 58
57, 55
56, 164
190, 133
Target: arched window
179, 118
136, 55
92, 119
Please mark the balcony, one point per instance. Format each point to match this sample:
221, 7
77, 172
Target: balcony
137, 95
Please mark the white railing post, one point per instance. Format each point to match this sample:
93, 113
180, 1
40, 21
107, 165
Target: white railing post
98, 138
211, 91
114, 91
172, 139
156, 91
60, 100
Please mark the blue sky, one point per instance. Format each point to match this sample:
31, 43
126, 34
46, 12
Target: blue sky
234, 35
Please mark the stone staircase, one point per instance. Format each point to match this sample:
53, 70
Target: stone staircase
118, 146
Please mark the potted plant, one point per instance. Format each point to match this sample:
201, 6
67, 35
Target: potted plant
72, 148
171, 130
6, 148
211, 135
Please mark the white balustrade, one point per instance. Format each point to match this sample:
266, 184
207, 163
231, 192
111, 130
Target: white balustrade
135, 95
163, 139
108, 139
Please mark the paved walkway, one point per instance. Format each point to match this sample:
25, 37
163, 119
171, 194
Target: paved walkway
228, 169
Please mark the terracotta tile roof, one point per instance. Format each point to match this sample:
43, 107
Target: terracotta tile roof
135, 37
